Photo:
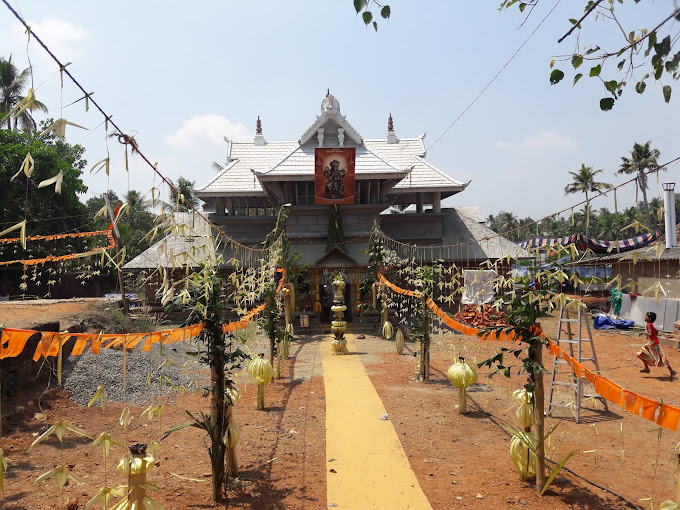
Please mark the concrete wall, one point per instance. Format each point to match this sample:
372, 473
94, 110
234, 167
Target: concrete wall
410, 227
667, 311
648, 273
357, 220
245, 228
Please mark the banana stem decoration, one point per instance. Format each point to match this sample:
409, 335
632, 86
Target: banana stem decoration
462, 375
231, 438
136, 464
261, 370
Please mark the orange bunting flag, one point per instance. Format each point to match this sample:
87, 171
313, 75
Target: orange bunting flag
577, 368
608, 390
16, 342
589, 375
649, 407
669, 417
96, 344
81, 342
632, 402
48, 346
133, 339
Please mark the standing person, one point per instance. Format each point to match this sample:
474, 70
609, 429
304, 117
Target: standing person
651, 354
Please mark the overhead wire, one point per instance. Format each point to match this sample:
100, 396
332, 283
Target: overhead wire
126, 138
495, 76
536, 222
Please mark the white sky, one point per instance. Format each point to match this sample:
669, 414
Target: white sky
181, 75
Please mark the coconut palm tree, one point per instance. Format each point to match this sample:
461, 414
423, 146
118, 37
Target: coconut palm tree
507, 221
642, 159
12, 85
187, 189
584, 182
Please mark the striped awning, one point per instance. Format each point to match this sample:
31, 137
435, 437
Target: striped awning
583, 242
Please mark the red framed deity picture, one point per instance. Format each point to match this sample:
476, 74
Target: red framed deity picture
334, 175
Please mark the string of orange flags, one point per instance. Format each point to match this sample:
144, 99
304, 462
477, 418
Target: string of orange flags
55, 258
13, 341
664, 415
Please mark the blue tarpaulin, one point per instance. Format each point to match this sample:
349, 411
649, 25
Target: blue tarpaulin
604, 322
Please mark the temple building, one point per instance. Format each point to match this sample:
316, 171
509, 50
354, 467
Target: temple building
338, 186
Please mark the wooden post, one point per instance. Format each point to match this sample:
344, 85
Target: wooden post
232, 463
539, 412
116, 238
217, 408
424, 374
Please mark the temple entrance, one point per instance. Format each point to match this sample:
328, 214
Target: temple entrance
327, 293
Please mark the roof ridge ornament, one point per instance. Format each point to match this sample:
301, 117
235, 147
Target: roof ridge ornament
259, 137
330, 105
391, 135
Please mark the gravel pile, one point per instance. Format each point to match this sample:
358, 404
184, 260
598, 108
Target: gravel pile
83, 374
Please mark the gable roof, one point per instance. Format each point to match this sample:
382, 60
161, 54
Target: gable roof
300, 164
336, 256
403, 158
245, 157
193, 241
462, 226
330, 113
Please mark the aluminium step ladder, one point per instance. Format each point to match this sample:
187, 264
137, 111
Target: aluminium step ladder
576, 384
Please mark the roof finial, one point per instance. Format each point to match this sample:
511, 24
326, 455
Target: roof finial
391, 135
258, 129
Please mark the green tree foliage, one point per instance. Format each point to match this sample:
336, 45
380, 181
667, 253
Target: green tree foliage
46, 211
644, 52
365, 8
642, 160
133, 225
185, 195
12, 86
584, 182
604, 224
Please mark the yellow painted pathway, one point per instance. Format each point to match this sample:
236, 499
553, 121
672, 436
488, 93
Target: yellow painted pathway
371, 470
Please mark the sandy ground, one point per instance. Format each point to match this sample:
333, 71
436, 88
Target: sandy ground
459, 460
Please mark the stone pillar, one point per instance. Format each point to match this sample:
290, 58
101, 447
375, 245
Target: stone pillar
437, 202
290, 192
419, 203
219, 206
375, 191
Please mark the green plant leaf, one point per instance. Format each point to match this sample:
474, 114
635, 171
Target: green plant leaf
576, 61
522, 6
595, 71
375, 25
611, 85
556, 76
667, 93
360, 5
620, 64
368, 17
385, 12
592, 50
577, 78
640, 87
606, 104
557, 469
